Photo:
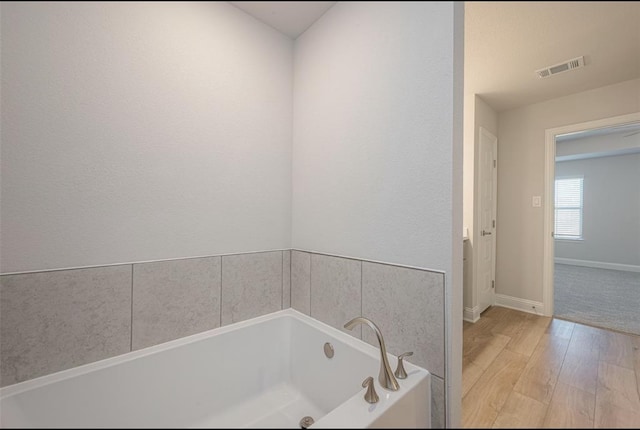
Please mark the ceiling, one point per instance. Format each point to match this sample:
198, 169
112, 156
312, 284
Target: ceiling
506, 42
289, 17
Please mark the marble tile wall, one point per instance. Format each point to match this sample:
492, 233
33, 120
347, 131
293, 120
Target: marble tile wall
173, 299
407, 305
286, 279
55, 320
51, 321
336, 291
301, 281
251, 285
437, 403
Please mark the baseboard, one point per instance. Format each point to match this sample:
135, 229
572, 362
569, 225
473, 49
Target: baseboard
598, 264
471, 314
519, 304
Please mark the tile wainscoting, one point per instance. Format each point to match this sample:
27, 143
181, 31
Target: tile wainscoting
56, 320
50, 321
407, 304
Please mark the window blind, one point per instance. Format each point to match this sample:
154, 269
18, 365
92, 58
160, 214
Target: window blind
568, 208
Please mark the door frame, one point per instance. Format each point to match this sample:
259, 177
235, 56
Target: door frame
549, 189
478, 221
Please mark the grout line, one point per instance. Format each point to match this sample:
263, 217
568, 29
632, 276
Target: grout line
310, 286
445, 356
290, 278
282, 280
361, 298
220, 316
131, 325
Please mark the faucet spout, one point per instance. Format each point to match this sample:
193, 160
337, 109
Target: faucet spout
386, 376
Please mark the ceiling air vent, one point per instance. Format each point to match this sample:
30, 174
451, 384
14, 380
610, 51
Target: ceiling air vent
574, 63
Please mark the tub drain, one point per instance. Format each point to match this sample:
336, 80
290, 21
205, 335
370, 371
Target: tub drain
306, 422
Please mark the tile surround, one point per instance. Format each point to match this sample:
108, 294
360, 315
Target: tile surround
173, 299
336, 291
55, 320
301, 281
408, 307
406, 303
51, 321
437, 403
86, 315
251, 285
286, 279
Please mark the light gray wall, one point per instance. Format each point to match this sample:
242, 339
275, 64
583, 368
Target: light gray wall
611, 210
521, 146
377, 147
142, 131
372, 156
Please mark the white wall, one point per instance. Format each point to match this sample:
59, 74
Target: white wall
372, 134
377, 153
142, 131
611, 210
477, 114
521, 146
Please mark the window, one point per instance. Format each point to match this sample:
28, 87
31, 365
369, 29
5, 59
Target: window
568, 223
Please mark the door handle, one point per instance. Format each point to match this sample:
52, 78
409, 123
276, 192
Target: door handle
486, 233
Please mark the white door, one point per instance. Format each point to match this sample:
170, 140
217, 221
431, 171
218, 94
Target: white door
487, 204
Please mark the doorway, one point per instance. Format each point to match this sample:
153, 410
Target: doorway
582, 222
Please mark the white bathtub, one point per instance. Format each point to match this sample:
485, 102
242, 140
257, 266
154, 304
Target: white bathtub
270, 371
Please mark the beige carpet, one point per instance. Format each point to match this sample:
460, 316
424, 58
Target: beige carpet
598, 297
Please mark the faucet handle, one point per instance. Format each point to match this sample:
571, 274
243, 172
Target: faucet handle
400, 372
370, 396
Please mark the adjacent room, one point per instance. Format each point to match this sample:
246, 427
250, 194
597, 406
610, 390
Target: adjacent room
551, 223
597, 228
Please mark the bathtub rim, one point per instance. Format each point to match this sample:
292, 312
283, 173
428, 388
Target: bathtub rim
358, 344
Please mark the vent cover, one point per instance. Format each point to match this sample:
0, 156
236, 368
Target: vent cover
574, 63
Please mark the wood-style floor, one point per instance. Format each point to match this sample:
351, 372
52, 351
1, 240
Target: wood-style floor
523, 370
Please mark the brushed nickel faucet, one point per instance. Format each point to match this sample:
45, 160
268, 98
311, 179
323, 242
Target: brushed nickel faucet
386, 377
370, 396
400, 372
